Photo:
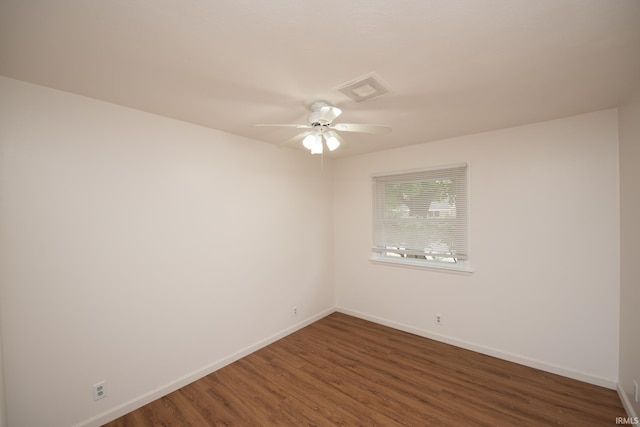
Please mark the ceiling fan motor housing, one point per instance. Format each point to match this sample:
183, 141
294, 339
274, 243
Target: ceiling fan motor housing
322, 114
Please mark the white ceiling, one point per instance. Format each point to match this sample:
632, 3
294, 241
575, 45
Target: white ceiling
454, 66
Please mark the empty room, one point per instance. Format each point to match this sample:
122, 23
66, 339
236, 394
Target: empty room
319, 213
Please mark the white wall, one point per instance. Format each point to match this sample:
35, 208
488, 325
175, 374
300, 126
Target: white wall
629, 119
130, 250
3, 419
144, 251
544, 247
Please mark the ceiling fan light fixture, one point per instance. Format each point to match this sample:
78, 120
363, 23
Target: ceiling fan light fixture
317, 147
332, 140
309, 141
312, 139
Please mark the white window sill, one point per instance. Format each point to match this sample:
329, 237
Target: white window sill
421, 265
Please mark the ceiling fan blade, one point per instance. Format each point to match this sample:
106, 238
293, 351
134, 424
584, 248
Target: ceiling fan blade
288, 125
354, 127
299, 137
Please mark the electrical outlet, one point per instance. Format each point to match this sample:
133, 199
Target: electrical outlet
295, 311
635, 391
438, 319
100, 390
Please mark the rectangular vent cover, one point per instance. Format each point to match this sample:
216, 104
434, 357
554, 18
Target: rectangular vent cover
365, 88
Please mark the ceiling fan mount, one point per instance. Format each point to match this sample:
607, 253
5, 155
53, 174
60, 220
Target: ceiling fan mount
321, 128
322, 114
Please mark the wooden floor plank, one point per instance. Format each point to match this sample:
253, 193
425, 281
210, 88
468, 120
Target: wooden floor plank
347, 371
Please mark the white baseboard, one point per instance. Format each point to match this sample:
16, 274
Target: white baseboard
577, 375
626, 403
152, 395
149, 397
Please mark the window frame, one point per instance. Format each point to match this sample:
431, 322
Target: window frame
379, 257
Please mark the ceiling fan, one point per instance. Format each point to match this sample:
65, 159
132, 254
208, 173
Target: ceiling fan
321, 127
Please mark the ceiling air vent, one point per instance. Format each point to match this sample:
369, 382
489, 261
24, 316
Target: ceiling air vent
365, 88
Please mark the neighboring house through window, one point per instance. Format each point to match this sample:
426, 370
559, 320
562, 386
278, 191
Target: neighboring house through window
421, 218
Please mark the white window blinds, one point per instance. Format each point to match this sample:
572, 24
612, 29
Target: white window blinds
422, 214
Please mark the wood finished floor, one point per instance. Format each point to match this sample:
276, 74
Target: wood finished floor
346, 371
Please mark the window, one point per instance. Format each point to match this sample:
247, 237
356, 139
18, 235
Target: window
422, 217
